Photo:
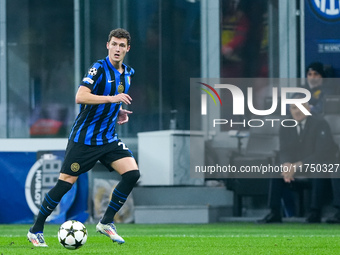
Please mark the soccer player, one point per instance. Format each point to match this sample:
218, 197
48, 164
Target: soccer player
93, 137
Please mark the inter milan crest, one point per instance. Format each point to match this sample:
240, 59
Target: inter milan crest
120, 88
75, 167
327, 10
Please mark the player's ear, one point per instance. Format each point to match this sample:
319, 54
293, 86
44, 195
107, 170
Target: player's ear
128, 49
107, 45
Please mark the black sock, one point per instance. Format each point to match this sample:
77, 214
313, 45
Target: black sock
50, 202
120, 194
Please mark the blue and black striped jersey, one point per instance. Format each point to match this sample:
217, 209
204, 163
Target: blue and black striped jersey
95, 124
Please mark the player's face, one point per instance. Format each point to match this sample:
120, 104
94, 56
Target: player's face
117, 48
297, 114
314, 79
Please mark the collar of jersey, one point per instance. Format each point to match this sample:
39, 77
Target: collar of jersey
113, 68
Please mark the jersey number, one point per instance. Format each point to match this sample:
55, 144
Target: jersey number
124, 146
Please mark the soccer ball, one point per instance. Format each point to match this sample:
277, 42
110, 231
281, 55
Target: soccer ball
72, 234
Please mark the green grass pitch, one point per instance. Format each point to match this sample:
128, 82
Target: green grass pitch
224, 238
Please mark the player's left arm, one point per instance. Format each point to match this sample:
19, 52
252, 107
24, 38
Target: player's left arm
123, 116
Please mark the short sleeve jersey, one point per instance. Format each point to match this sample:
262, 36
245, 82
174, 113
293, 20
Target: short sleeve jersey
95, 124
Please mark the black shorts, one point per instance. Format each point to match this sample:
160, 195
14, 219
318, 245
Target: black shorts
80, 158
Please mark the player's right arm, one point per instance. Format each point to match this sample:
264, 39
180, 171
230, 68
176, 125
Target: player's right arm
85, 96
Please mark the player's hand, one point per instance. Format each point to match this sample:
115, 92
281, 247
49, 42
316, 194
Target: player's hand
123, 116
121, 98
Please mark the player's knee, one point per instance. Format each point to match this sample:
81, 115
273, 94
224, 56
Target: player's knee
131, 176
68, 178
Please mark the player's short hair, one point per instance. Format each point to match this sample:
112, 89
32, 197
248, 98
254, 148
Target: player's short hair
120, 33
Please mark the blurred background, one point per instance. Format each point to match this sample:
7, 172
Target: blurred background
47, 46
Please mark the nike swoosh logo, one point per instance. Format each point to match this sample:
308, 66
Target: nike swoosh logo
120, 202
49, 208
110, 81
